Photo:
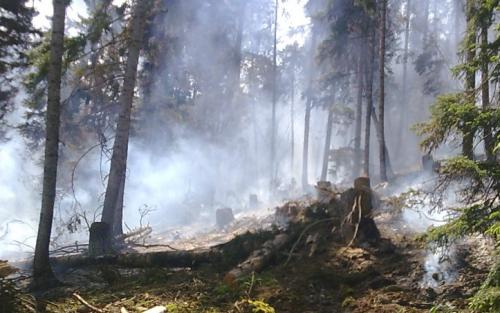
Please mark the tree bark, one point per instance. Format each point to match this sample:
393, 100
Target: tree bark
328, 140
425, 31
403, 121
42, 272
120, 146
275, 97
485, 92
358, 117
307, 118
381, 104
292, 124
470, 76
369, 102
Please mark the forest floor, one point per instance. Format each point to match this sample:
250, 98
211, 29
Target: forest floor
390, 277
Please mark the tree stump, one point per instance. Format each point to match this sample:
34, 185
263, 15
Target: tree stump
100, 241
324, 191
223, 217
358, 222
253, 201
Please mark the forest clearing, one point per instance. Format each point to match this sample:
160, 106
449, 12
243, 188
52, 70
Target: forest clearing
249, 156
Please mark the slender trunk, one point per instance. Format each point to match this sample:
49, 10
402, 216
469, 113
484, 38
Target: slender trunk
118, 220
275, 96
457, 10
237, 55
403, 120
369, 102
328, 140
307, 118
358, 117
485, 92
381, 104
376, 123
42, 272
292, 125
120, 146
470, 77
425, 31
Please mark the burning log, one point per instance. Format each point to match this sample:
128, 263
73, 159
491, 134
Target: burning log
259, 259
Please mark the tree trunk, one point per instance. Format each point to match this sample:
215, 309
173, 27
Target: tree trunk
358, 117
120, 146
307, 119
275, 96
328, 140
381, 104
485, 92
376, 123
234, 90
470, 77
403, 120
425, 31
369, 102
42, 272
292, 125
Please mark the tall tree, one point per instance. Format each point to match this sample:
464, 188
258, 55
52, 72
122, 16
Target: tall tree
15, 37
470, 74
359, 112
275, 96
485, 22
381, 103
307, 116
42, 272
369, 100
113, 200
328, 141
403, 119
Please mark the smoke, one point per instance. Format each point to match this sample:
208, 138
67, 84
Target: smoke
19, 198
188, 159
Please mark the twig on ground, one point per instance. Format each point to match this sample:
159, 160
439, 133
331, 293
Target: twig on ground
290, 254
85, 303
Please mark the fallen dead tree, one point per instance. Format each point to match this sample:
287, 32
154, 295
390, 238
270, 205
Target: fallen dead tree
259, 259
174, 259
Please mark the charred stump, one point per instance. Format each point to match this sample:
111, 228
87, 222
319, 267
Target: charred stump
358, 224
223, 217
100, 241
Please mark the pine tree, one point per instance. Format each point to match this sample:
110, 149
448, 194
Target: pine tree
16, 32
42, 272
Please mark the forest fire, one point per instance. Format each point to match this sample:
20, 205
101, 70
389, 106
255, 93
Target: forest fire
249, 156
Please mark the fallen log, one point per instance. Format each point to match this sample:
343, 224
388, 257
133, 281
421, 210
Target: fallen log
173, 259
259, 259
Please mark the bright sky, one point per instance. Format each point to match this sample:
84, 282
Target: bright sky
294, 9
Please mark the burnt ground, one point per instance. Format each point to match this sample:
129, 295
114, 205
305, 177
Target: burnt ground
387, 277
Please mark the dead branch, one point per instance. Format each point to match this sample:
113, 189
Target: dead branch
306, 229
85, 303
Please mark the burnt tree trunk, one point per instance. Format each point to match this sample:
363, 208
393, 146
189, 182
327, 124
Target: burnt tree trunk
358, 117
403, 119
381, 103
328, 140
120, 146
42, 272
369, 102
99, 243
307, 118
275, 98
